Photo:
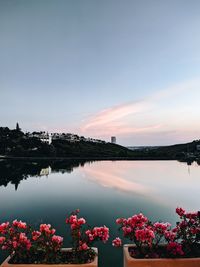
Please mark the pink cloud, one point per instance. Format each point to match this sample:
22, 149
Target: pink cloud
149, 116
113, 120
114, 114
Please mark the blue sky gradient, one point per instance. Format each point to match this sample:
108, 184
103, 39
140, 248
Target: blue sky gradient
101, 68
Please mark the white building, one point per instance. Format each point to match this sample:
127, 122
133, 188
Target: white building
45, 171
46, 138
49, 137
43, 136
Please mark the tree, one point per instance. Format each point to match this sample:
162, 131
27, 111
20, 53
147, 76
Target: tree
17, 127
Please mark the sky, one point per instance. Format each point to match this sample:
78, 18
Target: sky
102, 68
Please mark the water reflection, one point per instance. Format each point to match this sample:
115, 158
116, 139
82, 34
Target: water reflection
103, 190
15, 171
114, 180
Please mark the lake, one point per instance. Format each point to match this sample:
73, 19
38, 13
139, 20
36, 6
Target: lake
46, 192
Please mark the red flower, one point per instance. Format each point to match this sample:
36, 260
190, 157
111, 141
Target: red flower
175, 249
117, 242
180, 211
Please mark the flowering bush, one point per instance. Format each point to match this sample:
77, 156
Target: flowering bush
46, 245
15, 238
84, 237
27, 245
188, 231
181, 241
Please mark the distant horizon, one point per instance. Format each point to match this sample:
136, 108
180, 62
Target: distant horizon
125, 68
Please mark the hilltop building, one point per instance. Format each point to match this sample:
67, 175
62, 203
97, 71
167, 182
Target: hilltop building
46, 137
43, 136
113, 139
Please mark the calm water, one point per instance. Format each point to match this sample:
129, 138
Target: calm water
103, 190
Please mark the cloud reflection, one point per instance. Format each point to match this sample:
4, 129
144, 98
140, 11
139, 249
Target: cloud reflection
111, 180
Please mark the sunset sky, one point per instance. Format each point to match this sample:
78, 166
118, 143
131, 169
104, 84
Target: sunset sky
102, 67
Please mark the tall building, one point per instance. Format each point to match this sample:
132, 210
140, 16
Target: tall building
113, 139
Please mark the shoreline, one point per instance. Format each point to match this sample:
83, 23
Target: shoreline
85, 158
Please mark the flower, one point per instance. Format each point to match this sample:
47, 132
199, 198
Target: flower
161, 227
145, 235
84, 236
57, 239
46, 229
36, 235
170, 235
74, 221
2, 239
24, 243
175, 249
117, 242
99, 232
184, 239
19, 224
4, 227
83, 246
119, 220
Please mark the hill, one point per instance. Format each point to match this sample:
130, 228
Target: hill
14, 143
177, 151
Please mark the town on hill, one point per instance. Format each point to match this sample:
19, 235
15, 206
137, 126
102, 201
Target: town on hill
16, 143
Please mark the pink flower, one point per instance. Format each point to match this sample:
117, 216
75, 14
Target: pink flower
75, 222
194, 230
126, 230
138, 220
90, 235
145, 235
4, 227
182, 225
73, 219
191, 215
57, 239
46, 229
2, 239
14, 244
74, 226
101, 232
24, 241
88, 232
36, 235
81, 221
28, 245
161, 227
170, 235
83, 245
175, 249
119, 220
180, 211
117, 242
19, 224
22, 237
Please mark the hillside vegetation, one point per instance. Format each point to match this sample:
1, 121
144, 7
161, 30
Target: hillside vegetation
16, 143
